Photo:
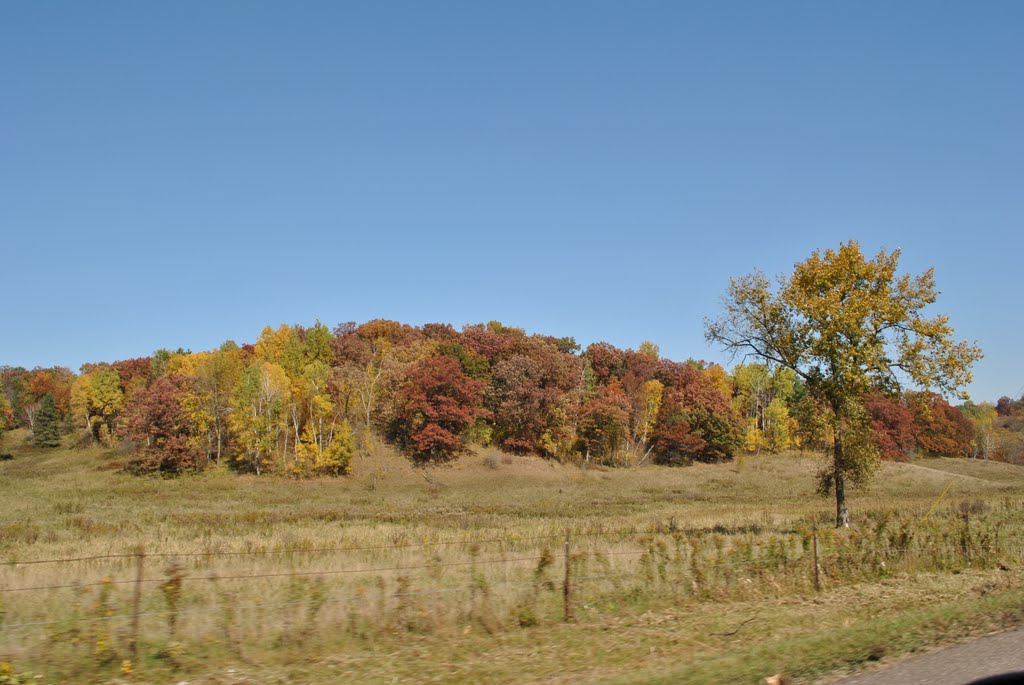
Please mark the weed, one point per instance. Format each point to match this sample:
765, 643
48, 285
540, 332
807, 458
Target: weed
171, 587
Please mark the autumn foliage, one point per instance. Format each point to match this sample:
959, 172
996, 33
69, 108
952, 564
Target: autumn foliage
895, 430
158, 422
604, 420
434, 407
696, 421
302, 401
941, 428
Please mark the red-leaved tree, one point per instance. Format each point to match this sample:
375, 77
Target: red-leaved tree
893, 423
434, 407
604, 422
156, 420
531, 395
942, 429
696, 422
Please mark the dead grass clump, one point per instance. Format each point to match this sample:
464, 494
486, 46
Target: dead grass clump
19, 533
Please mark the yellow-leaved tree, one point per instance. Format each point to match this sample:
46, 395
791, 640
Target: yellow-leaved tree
96, 399
258, 416
325, 445
845, 325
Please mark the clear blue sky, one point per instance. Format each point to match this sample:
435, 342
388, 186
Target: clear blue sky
182, 173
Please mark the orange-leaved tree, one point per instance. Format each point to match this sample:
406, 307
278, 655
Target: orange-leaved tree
434, 407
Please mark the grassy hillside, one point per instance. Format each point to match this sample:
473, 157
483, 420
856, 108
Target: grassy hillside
454, 574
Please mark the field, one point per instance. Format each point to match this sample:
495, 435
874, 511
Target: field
458, 573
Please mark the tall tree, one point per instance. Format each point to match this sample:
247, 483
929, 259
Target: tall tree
325, 444
369, 364
46, 428
846, 325
258, 413
646, 404
604, 423
217, 376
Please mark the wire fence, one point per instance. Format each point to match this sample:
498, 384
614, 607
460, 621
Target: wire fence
299, 551
1008, 544
124, 602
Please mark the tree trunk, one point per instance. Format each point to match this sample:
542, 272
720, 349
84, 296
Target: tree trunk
839, 479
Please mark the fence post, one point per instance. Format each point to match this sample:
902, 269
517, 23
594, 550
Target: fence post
817, 558
967, 535
133, 645
567, 585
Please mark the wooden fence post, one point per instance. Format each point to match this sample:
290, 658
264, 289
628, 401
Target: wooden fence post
567, 585
967, 535
133, 645
817, 558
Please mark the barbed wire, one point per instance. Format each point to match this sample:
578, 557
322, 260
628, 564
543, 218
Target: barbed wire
270, 552
290, 574
324, 550
476, 587
378, 569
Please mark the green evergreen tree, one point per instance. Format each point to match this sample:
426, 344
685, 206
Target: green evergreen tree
46, 429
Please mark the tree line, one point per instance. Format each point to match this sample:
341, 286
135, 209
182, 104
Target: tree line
302, 399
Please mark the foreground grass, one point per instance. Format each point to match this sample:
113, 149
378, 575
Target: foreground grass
802, 639
668, 562
743, 642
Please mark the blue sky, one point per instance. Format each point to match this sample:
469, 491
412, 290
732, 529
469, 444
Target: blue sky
183, 173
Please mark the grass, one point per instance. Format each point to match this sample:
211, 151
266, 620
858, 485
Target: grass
468, 563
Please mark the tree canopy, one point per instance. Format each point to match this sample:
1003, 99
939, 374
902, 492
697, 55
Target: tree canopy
846, 325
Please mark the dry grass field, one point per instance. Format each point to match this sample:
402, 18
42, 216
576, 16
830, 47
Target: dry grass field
456, 573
